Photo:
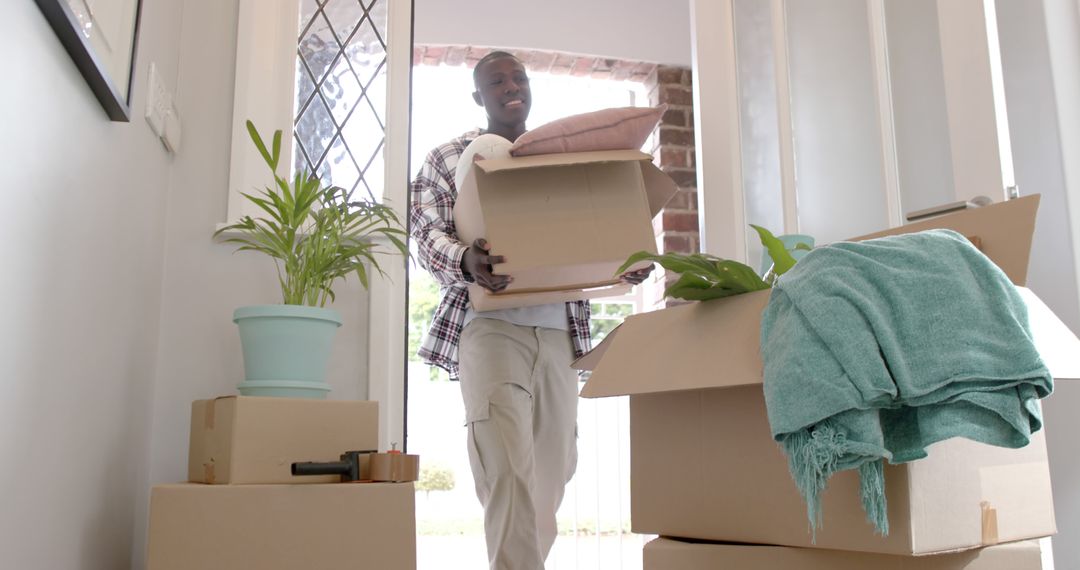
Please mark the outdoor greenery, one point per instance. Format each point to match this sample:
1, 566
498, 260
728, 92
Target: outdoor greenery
316, 234
606, 316
435, 478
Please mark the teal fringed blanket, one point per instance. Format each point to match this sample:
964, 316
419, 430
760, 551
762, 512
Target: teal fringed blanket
875, 350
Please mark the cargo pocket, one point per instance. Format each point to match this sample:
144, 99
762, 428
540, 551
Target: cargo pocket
476, 461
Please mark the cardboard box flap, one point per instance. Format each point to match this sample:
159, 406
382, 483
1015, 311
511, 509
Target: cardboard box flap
1057, 345
659, 187
700, 345
588, 361
559, 159
1004, 230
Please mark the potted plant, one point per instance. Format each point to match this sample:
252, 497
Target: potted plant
316, 234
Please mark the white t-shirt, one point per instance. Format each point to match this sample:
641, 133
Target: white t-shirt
552, 316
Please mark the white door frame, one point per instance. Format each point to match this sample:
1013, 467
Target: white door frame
721, 212
388, 297
975, 99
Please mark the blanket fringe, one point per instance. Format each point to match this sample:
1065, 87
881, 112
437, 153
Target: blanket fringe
813, 456
872, 491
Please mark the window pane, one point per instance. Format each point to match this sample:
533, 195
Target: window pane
340, 123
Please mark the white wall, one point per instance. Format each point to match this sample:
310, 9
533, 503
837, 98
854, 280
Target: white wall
1037, 152
641, 30
83, 228
1041, 125
204, 281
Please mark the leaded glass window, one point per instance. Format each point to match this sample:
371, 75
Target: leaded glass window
340, 119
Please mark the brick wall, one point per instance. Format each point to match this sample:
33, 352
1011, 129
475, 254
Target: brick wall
676, 227
540, 61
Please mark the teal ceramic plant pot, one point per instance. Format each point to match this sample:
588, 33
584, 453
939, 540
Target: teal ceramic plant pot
286, 349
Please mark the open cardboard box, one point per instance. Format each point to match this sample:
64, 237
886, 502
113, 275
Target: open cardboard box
704, 465
564, 222
667, 554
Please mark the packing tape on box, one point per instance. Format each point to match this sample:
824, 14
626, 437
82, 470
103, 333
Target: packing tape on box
209, 476
208, 415
394, 467
989, 524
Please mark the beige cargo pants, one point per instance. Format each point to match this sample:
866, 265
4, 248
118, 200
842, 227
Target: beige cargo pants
521, 409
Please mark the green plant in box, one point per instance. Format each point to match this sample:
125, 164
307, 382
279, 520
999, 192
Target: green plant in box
703, 277
316, 234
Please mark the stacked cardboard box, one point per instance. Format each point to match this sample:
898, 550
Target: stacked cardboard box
670, 554
704, 466
243, 508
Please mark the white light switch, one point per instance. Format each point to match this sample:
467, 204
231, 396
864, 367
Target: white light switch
157, 102
171, 137
161, 113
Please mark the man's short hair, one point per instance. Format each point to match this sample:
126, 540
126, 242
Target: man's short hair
491, 56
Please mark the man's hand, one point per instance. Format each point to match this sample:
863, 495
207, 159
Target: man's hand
636, 277
477, 263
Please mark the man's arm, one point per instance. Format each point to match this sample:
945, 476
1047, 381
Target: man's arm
431, 217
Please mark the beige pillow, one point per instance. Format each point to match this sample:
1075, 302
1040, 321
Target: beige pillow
620, 128
483, 146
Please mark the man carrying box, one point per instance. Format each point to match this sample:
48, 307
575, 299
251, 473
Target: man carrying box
514, 365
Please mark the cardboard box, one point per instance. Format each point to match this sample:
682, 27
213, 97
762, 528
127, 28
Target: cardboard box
704, 465
666, 554
564, 222
249, 440
271, 527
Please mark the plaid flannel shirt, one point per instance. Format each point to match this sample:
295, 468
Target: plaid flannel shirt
431, 222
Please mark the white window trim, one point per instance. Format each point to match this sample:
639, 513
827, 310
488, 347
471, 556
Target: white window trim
264, 93
388, 297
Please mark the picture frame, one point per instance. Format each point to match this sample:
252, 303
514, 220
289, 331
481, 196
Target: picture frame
101, 37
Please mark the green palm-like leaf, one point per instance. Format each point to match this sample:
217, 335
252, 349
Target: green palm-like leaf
260, 145
316, 234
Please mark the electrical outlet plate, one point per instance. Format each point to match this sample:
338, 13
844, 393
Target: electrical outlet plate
158, 102
161, 112
171, 137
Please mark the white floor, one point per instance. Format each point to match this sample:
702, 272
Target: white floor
467, 552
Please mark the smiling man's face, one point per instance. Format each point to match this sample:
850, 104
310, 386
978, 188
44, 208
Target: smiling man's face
502, 88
